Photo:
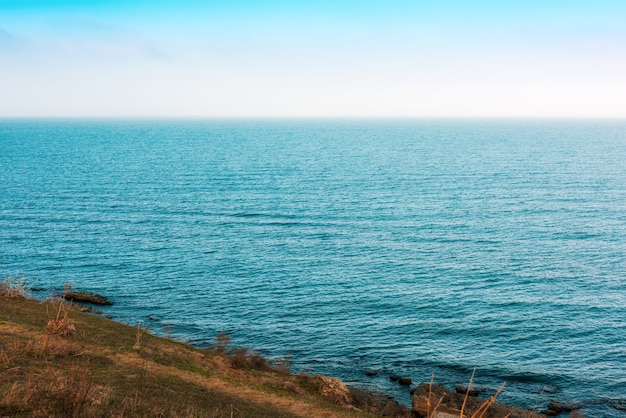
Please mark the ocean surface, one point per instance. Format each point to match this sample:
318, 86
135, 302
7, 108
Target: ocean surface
406, 247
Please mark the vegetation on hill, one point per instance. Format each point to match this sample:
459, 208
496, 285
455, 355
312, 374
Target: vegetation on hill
58, 361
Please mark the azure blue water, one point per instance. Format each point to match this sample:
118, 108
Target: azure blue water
405, 247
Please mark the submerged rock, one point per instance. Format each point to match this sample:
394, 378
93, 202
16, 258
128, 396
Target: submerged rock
551, 389
87, 297
462, 390
619, 404
562, 406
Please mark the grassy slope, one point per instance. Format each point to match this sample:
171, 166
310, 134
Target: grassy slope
101, 370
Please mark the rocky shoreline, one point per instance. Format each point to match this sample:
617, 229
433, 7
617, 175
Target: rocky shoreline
436, 401
428, 400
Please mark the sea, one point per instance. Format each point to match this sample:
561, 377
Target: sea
359, 249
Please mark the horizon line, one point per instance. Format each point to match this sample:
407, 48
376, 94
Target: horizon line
292, 117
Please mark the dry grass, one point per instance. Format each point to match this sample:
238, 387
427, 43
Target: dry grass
59, 323
51, 390
482, 410
74, 388
431, 408
54, 362
467, 392
12, 287
138, 334
431, 413
52, 347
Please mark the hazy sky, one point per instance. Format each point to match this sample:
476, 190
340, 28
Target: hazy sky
548, 58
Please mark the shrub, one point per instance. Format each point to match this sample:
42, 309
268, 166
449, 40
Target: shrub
239, 358
258, 362
220, 344
242, 358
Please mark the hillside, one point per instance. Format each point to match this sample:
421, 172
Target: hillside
58, 361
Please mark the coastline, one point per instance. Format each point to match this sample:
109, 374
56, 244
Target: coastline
81, 333
59, 361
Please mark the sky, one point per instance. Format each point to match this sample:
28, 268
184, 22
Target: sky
394, 58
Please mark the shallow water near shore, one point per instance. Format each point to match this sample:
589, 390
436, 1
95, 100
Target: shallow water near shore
400, 247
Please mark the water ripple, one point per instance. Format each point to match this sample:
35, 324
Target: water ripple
407, 247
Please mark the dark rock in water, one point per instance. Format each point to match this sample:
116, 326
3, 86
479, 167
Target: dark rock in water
464, 389
87, 297
405, 381
551, 389
619, 404
560, 406
394, 378
370, 373
549, 412
377, 403
36, 289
